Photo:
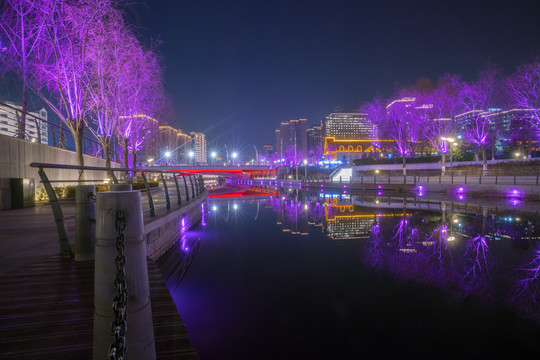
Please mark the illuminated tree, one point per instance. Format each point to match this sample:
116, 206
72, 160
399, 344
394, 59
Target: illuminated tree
444, 101
376, 113
476, 99
523, 89
22, 26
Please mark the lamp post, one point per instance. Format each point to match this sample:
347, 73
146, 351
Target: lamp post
167, 156
234, 155
305, 169
213, 154
449, 140
191, 154
150, 161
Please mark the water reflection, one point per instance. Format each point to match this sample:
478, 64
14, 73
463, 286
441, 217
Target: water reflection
466, 249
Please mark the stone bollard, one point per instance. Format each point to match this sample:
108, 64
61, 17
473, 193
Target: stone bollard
121, 187
140, 330
85, 222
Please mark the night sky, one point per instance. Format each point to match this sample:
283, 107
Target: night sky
236, 69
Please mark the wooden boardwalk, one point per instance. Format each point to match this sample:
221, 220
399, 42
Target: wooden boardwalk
46, 312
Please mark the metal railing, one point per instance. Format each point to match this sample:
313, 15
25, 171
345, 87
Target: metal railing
196, 183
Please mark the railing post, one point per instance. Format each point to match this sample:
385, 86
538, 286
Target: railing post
167, 197
63, 238
85, 222
361, 179
514, 179
192, 187
465, 177
389, 177
186, 187
119, 217
404, 179
452, 176
480, 179
178, 195
149, 195
496, 177
114, 179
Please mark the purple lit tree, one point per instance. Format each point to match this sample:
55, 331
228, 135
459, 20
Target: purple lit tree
22, 25
403, 122
444, 101
476, 99
523, 89
376, 114
526, 293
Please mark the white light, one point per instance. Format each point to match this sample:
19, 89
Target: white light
451, 238
235, 207
234, 155
191, 154
305, 207
456, 221
305, 161
376, 171
150, 160
167, 154
213, 154
214, 208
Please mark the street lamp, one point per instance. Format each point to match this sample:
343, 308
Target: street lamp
213, 154
168, 155
150, 161
234, 155
305, 169
451, 141
191, 154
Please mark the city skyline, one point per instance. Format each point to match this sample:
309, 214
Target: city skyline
258, 65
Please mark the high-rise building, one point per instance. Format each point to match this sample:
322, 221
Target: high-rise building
167, 143
314, 141
291, 140
199, 146
344, 126
36, 123
150, 140
183, 147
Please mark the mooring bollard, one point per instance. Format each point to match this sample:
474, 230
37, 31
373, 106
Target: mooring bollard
121, 187
85, 222
114, 209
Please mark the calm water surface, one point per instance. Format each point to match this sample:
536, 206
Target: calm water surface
320, 276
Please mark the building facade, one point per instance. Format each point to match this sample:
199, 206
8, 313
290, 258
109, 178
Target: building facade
291, 140
167, 143
183, 147
36, 123
198, 141
343, 126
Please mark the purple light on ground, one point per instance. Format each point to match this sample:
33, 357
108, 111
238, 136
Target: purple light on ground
514, 202
461, 190
344, 191
344, 186
514, 193
379, 193
420, 190
379, 186
461, 197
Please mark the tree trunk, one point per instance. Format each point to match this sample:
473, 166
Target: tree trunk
404, 165
443, 163
126, 152
493, 153
476, 155
24, 108
77, 136
484, 160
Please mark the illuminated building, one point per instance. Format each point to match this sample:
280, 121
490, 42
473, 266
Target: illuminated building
314, 141
269, 149
349, 149
199, 146
291, 140
36, 123
167, 142
183, 145
348, 126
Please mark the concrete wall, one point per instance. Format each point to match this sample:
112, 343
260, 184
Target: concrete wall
16, 156
162, 233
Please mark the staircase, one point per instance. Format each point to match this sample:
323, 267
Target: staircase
345, 173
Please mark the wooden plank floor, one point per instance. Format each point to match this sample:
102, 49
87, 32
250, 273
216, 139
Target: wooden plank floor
46, 312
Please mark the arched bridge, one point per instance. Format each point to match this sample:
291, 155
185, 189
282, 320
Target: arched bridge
226, 171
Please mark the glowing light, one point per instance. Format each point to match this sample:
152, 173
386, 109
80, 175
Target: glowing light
456, 221
451, 238
214, 208
167, 154
235, 206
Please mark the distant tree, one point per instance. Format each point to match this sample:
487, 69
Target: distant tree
376, 114
444, 101
476, 99
523, 89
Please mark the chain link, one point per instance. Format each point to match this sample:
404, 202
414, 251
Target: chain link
118, 348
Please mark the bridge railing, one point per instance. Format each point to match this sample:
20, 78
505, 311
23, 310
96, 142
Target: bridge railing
190, 186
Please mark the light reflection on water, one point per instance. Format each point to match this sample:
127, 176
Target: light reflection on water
304, 258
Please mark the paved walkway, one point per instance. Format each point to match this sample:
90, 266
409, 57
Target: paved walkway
46, 307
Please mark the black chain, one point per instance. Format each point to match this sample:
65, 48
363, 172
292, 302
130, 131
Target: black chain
118, 348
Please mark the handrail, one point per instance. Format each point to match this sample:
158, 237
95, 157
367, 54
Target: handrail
195, 180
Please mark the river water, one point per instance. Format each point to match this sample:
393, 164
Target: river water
296, 275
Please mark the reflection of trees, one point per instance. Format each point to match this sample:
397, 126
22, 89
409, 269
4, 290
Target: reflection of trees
526, 291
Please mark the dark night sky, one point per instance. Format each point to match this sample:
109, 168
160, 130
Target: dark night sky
236, 69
